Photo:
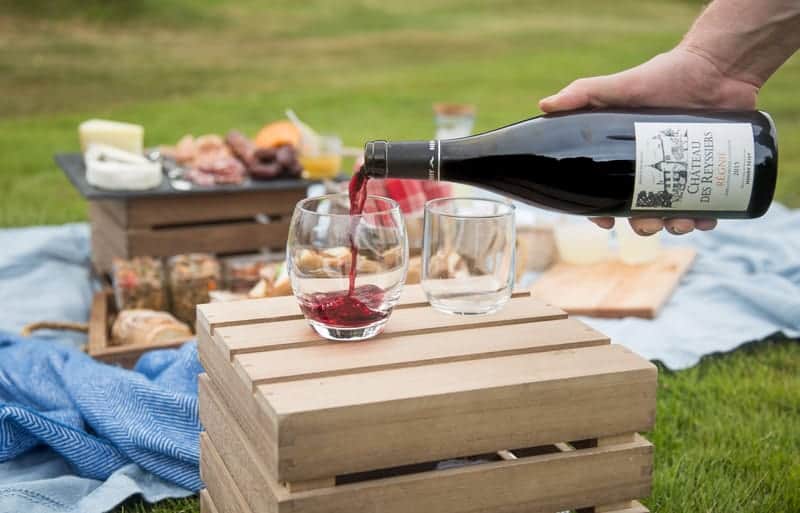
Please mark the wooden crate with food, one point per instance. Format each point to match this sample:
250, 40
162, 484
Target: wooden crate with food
121, 337
208, 194
522, 411
151, 302
224, 223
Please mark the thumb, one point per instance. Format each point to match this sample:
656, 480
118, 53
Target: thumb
584, 92
570, 98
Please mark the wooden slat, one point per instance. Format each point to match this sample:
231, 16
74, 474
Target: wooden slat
108, 238
211, 316
217, 315
216, 238
233, 446
127, 355
109, 243
544, 483
610, 508
626, 507
605, 441
345, 391
207, 503
340, 424
103, 255
621, 507
149, 212
245, 412
405, 321
414, 350
98, 323
115, 209
219, 482
316, 484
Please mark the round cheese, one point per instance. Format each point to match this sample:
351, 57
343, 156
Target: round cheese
114, 169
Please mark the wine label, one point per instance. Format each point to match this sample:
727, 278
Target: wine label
693, 166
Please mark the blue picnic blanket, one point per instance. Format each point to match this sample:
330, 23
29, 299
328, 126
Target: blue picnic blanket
99, 418
75, 435
743, 286
45, 275
42, 481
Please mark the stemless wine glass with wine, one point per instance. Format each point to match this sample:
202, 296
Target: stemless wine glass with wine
347, 268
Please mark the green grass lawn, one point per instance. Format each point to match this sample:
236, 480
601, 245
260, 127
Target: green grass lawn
361, 69
727, 433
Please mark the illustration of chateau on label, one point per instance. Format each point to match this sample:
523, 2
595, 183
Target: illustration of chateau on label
664, 169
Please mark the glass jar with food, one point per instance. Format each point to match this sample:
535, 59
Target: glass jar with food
138, 283
191, 278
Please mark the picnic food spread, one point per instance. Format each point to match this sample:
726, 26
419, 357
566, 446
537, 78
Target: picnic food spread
114, 160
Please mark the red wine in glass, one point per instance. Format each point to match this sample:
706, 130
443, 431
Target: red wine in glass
345, 309
358, 306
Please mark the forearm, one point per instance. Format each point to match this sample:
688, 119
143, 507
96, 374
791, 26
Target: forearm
746, 39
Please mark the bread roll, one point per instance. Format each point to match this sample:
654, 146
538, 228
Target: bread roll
146, 327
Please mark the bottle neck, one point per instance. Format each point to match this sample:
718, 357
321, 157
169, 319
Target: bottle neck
419, 160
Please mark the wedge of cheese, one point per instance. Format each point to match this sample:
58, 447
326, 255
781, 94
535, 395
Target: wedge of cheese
110, 168
124, 136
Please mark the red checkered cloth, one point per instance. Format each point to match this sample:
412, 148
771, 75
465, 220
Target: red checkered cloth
411, 195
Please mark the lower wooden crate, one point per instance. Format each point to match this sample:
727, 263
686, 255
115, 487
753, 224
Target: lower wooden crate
543, 408
609, 472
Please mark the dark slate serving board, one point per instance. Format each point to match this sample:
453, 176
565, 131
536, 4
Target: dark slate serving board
73, 167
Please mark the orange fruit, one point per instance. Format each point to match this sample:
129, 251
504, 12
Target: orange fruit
277, 134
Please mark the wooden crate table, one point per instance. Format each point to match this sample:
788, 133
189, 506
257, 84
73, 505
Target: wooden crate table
162, 222
523, 411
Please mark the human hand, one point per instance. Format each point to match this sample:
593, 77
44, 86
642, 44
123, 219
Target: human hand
684, 78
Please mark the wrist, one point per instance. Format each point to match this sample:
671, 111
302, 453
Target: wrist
725, 69
694, 79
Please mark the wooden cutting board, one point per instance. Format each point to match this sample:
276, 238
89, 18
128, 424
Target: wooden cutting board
612, 288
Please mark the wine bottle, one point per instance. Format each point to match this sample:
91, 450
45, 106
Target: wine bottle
644, 162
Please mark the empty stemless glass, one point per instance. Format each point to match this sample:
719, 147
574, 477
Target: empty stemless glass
468, 254
319, 260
